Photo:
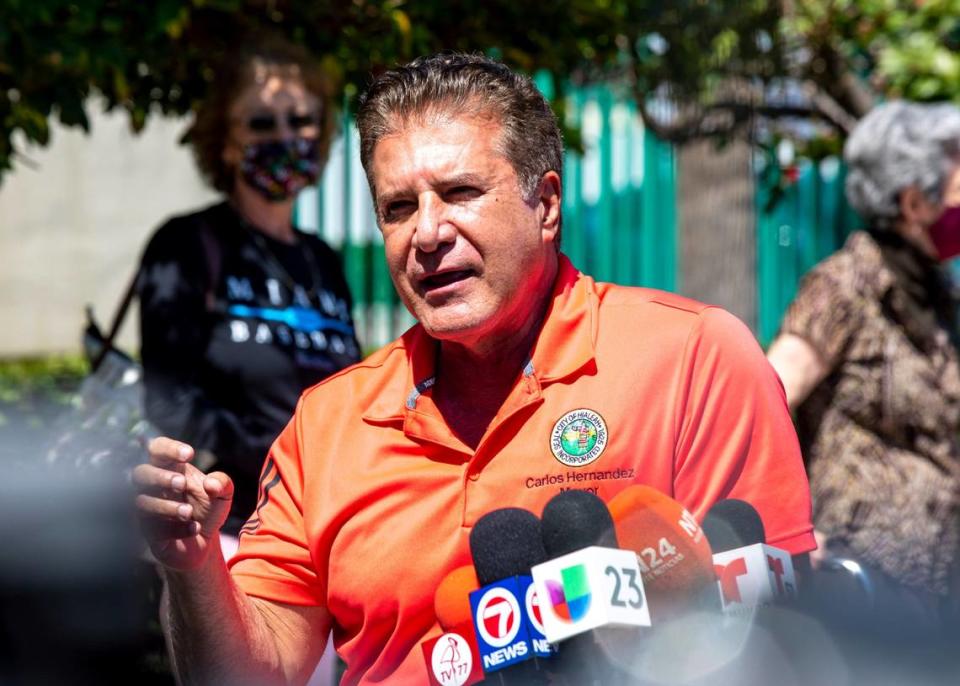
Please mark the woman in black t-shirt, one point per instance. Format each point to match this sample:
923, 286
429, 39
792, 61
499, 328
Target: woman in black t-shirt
240, 311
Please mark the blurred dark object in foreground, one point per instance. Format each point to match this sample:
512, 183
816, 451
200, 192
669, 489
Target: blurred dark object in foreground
104, 427
888, 634
71, 602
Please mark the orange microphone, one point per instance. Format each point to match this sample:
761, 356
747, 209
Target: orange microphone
451, 602
674, 555
454, 657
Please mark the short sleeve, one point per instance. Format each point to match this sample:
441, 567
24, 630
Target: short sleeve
273, 560
824, 313
735, 437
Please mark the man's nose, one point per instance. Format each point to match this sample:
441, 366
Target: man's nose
433, 226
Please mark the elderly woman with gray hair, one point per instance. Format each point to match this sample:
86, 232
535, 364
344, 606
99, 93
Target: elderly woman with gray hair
868, 357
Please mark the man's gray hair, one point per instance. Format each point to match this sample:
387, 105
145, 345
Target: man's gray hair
465, 86
897, 145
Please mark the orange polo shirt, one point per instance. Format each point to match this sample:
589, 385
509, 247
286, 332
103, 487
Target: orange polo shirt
367, 498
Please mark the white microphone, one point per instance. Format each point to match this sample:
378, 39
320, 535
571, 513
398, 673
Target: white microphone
590, 582
749, 572
590, 588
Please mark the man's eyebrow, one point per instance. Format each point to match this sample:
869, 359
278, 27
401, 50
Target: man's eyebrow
386, 196
465, 179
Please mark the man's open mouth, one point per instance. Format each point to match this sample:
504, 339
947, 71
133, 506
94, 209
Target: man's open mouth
445, 278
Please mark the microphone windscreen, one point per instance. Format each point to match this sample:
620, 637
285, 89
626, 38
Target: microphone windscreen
676, 559
733, 524
574, 520
505, 543
451, 602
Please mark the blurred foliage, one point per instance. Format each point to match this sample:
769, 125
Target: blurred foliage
158, 57
52, 378
35, 390
903, 48
855, 52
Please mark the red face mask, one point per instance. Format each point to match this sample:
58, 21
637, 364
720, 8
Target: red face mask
945, 233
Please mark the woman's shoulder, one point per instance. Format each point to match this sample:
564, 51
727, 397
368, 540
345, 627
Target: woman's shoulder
319, 246
855, 270
180, 234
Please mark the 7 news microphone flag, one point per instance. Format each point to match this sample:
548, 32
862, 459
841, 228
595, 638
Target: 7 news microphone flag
505, 544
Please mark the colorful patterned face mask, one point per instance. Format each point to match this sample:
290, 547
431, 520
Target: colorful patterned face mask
279, 169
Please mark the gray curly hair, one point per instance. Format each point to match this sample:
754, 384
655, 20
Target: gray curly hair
897, 145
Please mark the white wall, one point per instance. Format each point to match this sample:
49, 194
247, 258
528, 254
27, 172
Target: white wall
72, 228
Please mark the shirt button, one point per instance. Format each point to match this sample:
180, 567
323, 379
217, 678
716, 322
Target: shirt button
473, 476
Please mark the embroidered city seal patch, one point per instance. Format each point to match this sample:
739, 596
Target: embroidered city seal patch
578, 437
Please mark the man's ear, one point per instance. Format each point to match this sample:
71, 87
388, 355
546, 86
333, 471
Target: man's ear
550, 199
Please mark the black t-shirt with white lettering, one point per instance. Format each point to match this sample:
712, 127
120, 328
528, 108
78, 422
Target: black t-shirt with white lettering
233, 328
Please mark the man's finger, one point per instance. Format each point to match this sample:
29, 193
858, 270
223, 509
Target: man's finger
152, 506
165, 450
154, 479
218, 485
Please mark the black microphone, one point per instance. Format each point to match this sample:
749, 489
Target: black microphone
574, 520
750, 572
733, 523
505, 544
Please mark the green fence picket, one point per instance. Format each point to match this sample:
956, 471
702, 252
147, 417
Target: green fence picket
807, 223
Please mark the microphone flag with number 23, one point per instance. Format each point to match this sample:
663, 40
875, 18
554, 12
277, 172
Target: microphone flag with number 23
590, 588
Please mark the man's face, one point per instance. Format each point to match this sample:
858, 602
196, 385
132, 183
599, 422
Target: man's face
471, 257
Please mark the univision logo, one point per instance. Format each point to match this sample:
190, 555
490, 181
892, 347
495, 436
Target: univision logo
570, 597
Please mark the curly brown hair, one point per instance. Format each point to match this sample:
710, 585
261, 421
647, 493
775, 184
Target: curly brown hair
211, 125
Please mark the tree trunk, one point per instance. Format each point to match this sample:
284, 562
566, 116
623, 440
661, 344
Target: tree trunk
717, 226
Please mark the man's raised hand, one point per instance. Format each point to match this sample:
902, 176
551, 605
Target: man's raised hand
181, 509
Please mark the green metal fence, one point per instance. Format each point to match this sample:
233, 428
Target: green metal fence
619, 211
798, 224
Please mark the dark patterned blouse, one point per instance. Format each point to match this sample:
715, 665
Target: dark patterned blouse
879, 434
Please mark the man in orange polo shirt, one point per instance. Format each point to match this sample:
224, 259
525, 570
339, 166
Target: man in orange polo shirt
523, 378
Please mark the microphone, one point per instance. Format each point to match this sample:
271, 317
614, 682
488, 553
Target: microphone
750, 573
576, 519
674, 554
505, 544
589, 582
588, 586
453, 659
733, 523
451, 602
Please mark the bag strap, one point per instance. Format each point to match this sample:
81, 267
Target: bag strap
212, 256
119, 316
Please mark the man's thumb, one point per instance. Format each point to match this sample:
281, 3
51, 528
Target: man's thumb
219, 488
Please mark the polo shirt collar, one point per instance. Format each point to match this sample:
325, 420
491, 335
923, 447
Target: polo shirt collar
391, 402
565, 345
567, 340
